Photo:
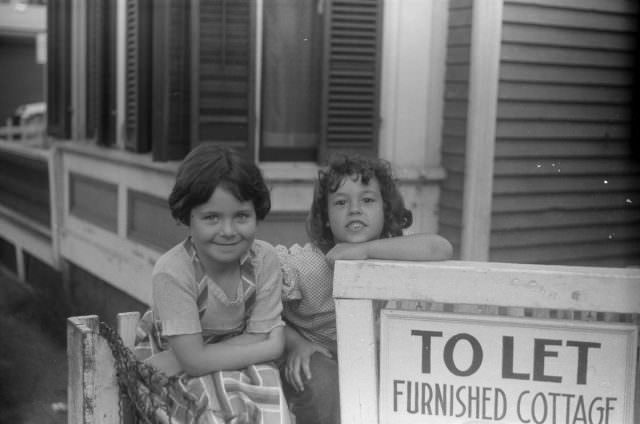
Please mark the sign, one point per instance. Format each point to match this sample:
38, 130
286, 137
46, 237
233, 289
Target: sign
454, 368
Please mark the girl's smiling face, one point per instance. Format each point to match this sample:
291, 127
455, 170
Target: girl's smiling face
356, 211
223, 228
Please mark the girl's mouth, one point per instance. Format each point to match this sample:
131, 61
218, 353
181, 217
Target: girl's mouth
356, 225
226, 244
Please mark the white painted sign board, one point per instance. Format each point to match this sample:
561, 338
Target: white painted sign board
455, 368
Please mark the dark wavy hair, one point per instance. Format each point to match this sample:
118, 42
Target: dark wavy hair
208, 166
396, 216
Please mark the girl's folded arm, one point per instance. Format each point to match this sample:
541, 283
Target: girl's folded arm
413, 247
197, 358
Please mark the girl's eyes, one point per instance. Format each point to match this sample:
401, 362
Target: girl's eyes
369, 199
242, 217
340, 202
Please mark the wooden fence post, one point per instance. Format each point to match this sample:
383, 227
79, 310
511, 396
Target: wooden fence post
92, 388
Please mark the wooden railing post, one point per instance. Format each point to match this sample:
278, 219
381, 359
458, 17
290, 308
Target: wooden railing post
92, 387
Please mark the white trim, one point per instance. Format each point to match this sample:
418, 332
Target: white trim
437, 74
258, 81
389, 78
595, 289
486, 30
359, 396
411, 90
55, 208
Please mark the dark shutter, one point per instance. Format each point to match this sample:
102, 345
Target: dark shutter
101, 71
138, 76
170, 105
223, 73
351, 68
59, 69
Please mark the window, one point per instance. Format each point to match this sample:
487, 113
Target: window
280, 80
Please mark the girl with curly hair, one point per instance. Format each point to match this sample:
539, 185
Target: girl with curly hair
357, 213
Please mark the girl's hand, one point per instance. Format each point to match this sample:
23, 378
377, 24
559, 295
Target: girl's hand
348, 251
298, 362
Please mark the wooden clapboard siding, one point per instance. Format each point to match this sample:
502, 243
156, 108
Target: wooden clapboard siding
455, 117
562, 253
566, 189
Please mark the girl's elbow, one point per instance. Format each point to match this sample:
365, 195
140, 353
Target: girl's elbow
447, 250
441, 250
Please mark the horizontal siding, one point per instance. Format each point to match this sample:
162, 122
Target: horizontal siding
566, 189
551, 184
552, 148
540, 73
456, 93
562, 254
571, 16
569, 235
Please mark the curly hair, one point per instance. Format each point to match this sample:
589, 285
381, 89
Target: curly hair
396, 216
208, 166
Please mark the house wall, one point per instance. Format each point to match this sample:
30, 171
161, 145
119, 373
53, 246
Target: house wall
565, 180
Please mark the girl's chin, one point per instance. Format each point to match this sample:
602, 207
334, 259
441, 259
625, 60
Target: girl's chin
357, 238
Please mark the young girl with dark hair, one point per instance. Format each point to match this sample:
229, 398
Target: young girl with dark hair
357, 213
217, 295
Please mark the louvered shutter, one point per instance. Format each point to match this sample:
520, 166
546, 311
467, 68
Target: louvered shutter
107, 135
101, 75
223, 73
59, 69
170, 102
138, 76
351, 68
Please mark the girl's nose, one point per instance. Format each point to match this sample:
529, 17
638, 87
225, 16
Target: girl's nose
354, 208
228, 229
